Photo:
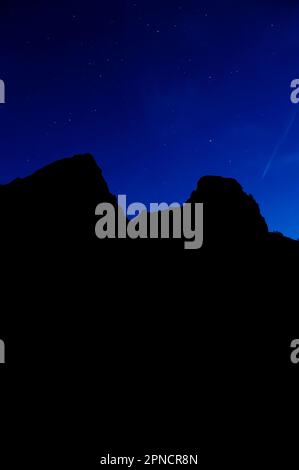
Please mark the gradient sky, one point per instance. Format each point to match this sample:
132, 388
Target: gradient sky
161, 92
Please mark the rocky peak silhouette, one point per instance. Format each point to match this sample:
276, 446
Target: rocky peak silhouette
230, 214
58, 203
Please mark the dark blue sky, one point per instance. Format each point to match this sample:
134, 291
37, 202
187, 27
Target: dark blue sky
161, 92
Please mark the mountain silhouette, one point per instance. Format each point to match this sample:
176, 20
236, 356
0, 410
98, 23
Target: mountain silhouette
58, 203
230, 211
163, 341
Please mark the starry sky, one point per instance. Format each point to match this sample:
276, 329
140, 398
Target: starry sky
161, 92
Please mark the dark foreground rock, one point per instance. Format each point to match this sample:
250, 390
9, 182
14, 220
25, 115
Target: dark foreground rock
131, 343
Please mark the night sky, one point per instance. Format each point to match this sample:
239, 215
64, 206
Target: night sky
160, 92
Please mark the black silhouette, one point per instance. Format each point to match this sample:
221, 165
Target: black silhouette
143, 333
58, 203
